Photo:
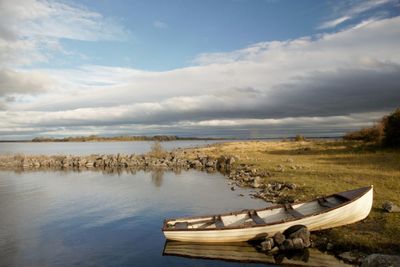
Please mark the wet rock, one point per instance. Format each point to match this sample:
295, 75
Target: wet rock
298, 243
390, 207
348, 257
279, 238
267, 245
287, 245
381, 260
299, 231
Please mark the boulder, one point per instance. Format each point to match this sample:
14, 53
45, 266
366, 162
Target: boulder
390, 207
267, 245
298, 231
258, 182
381, 260
279, 238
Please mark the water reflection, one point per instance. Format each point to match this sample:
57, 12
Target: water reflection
157, 176
248, 253
108, 218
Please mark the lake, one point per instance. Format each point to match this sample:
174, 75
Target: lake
87, 148
96, 219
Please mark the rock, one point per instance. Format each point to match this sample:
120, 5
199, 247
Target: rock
267, 245
233, 188
291, 186
287, 245
390, 207
298, 243
279, 238
329, 246
258, 182
348, 257
298, 231
381, 260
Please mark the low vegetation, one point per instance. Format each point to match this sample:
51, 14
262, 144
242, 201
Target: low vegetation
157, 151
96, 138
325, 167
386, 132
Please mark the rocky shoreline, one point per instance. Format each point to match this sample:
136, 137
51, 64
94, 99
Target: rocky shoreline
241, 175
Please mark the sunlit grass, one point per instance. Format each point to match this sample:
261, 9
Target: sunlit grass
325, 167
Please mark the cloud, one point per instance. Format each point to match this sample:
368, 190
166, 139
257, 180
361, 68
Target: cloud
160, 25
30, 29
352, 9
270, 87
15, 83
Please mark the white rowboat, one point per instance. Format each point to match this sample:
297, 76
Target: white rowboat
321, 213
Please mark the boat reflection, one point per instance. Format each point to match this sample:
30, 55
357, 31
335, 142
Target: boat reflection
248, 253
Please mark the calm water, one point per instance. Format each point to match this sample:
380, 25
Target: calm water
95, 219
87, 148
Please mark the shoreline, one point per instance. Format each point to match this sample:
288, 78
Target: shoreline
280, 171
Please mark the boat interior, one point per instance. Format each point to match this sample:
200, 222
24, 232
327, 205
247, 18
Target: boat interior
260, 217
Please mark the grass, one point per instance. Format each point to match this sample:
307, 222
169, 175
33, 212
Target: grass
325, 167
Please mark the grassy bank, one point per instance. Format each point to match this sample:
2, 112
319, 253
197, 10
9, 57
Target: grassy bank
325, 167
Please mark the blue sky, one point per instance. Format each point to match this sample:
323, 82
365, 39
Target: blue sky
163, 35
235, 68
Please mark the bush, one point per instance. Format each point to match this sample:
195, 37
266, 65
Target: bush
372, 134
385, 132
157, 150
392, 129
299, 138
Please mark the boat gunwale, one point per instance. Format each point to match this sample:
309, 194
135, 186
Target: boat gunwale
363, 191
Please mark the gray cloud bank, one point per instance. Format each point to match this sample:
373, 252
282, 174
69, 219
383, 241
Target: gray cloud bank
319, 85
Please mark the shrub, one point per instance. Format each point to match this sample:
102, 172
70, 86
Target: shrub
157, 150
392, 129
372, 134
299, 138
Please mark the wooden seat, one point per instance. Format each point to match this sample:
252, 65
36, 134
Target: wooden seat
325, 203
181, 225
289, 209
254, 216
218, 222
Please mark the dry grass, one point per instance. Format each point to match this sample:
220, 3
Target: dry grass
325, 167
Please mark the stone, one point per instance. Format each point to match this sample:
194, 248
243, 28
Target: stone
279, 238
258, 182
291, 186
348, 257
287, 245
267, 245
299, 231
381, 260
298, 243
390, 207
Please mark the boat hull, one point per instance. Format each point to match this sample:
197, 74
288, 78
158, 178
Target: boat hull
351, 212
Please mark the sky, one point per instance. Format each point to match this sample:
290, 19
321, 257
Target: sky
210, 68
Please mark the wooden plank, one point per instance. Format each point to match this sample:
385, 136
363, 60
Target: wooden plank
205, 225
293, 212
325, 203
181, 225
219, 223
254, 216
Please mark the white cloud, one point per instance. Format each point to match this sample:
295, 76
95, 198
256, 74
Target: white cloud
270, 85
352, 9
30, 29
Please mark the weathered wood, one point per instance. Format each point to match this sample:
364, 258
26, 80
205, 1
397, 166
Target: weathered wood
235, 226
254, 216
289, 209
218, 222
325, 203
